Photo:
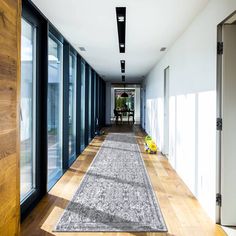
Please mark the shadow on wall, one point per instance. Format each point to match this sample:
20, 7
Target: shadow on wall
192, 140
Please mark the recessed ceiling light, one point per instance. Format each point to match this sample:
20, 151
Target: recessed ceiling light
82, 49
163, 49
122, 65
121, 18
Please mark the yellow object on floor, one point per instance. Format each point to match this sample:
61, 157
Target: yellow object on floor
150, 146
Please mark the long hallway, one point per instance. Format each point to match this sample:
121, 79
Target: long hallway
89, 89
182, 212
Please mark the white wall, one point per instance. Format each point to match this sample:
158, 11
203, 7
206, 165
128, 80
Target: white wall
192, 61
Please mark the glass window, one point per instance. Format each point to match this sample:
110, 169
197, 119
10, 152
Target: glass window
95, 101
54, 110
27, 111
72, 107
89, 104
82, 134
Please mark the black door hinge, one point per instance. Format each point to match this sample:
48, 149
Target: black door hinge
219, 124
220, 48
218, 199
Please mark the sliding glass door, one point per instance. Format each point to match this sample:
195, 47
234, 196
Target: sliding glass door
54, 109
27, 111
72, 107
89, 103
95, 102
82, 114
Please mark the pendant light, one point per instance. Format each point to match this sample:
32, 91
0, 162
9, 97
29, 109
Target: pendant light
124, 94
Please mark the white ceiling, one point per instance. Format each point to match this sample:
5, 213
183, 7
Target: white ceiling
150, 25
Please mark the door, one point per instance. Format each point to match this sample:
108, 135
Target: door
28, 111
82, 110
54, 109
72, 107
166, 112
144, 108
228, 134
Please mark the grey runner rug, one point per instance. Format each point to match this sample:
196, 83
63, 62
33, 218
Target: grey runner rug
115, 193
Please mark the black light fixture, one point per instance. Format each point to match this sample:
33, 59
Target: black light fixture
122, 65
124, 94
121, 22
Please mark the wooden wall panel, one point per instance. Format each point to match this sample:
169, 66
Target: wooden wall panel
10, 26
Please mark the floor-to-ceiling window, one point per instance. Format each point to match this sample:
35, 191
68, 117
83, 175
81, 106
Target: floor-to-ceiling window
98, 102
89, 103
27, 110
82, 110
92, 103
52, 104
72, 107
95, 101
54, 109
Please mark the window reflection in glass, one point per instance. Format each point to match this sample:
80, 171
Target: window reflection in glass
95, 101
89, 104
72, 107
54, 110
27, 112
82, 110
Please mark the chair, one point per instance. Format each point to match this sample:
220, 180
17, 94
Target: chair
117, 115
131, 114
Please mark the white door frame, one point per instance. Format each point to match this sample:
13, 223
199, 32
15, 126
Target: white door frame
219, 115
144, 107
166, 111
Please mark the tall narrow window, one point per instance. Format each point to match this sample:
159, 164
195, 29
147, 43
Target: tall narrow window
27, 111
82, 131
54, 110
72, 107
89, 103
95, 102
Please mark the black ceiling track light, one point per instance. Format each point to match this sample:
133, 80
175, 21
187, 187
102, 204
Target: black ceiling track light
122, 66
123, 78
121, 22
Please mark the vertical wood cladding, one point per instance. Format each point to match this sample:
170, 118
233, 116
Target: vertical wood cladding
10, 32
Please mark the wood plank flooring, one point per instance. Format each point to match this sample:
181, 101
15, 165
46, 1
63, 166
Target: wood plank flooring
182, 212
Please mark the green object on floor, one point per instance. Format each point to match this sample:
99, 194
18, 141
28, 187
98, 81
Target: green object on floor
148, 138
150, 146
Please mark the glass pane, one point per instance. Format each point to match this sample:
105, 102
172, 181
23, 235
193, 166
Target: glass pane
54, 110
82, 134
89, 104
27, 113
95, 101
72, 106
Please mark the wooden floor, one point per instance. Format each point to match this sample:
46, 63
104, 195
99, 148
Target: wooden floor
182, 212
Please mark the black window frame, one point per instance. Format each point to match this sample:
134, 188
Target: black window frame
72, 158
44, 29
30, 14
54, 34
